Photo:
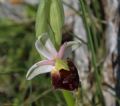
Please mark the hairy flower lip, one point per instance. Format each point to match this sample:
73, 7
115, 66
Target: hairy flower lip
68, 80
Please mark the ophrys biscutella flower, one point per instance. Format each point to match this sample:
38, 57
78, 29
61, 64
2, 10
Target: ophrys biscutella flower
63, 72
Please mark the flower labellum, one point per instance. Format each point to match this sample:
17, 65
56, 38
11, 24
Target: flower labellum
66, 79
63, 72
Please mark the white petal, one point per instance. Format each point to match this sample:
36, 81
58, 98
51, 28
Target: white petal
69, 47
62, 50
42, 50
50, 47
38, 68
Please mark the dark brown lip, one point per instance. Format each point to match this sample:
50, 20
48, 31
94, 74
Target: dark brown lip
64, 79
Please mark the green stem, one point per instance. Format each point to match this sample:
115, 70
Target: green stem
91, 47
30, 91
68, 98
96, 8
92, 26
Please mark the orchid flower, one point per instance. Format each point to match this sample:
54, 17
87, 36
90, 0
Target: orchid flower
63, 72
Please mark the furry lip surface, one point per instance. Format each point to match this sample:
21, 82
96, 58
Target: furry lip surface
67, 80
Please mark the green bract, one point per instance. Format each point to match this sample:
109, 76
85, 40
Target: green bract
50, 19
57, 19
42, 18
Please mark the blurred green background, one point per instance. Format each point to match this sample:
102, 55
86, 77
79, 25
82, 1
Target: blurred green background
17, 54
